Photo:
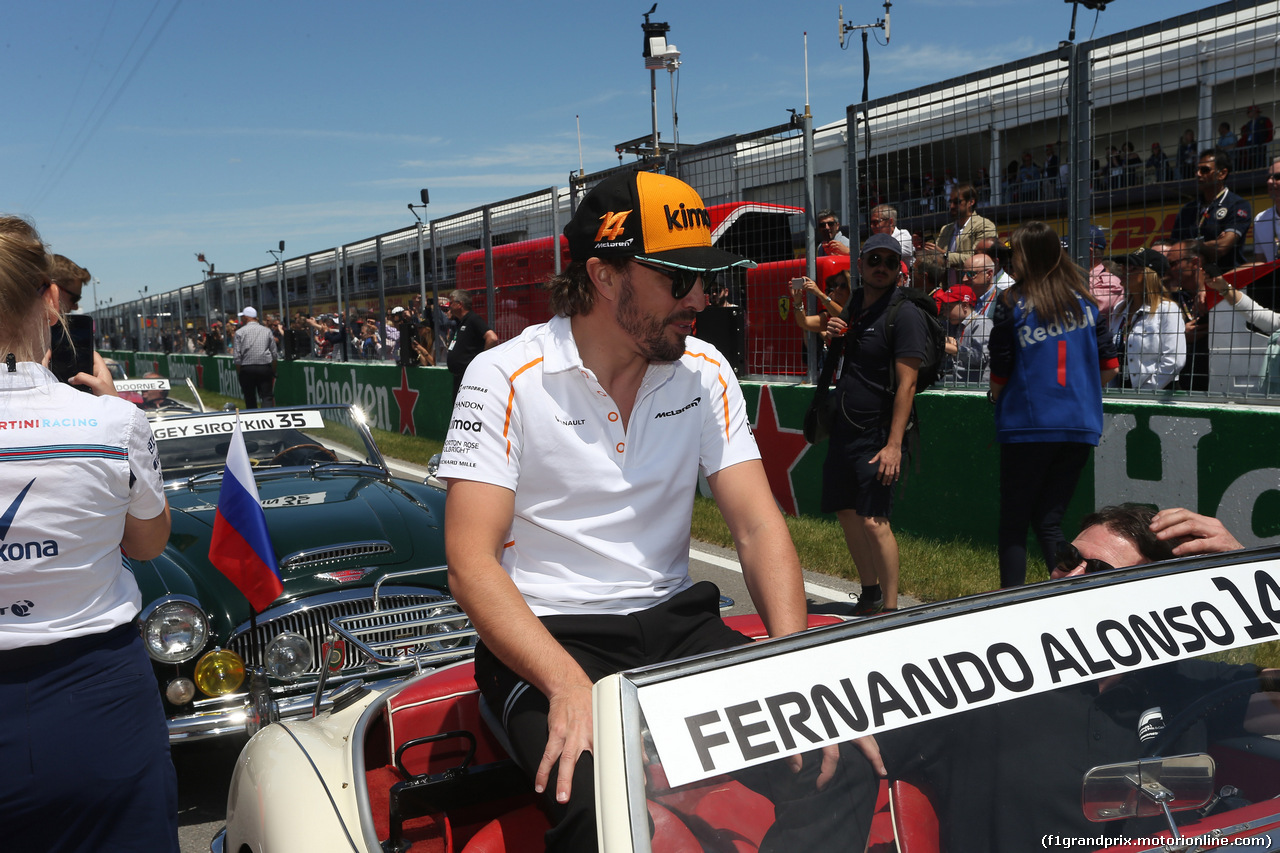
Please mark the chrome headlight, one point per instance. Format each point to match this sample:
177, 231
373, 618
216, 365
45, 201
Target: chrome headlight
288, 656
433, 464
175, 630
458, 623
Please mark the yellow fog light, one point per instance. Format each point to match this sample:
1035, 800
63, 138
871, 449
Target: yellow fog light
219, 673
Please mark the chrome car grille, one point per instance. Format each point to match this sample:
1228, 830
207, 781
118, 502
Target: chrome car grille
349, 551
393, 623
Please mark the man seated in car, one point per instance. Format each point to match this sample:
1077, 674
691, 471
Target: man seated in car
1001, 777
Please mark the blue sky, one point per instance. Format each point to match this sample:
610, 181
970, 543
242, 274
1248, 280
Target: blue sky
140, 133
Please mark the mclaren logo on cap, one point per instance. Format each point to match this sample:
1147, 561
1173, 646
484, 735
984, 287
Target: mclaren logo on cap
611, 225
684, 217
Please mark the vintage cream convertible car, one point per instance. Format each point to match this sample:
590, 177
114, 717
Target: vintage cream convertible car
1125, 709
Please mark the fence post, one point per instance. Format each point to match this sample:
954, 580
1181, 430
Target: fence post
814, 342
1079, 186
486, 241
555, 226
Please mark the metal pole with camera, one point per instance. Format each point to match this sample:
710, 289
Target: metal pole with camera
1079, 136
855, 210
278, 254
422, 273
655, 55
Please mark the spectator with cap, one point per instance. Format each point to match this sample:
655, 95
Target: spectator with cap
70, 278
1150, 334
213, 342
579, 441
255, 358
967, 334
875, 399
392, 345
1220, 217
1106, 286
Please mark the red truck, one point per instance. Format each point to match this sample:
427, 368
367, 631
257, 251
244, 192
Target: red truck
758, 335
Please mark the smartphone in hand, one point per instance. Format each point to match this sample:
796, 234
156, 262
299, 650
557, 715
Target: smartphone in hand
72, 348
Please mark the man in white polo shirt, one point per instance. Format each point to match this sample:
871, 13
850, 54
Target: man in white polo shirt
572, 458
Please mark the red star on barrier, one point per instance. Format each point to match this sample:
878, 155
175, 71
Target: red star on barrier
406, 399
199, 375
780, 450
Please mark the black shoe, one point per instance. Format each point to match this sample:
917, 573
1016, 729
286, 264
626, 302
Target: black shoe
868, 606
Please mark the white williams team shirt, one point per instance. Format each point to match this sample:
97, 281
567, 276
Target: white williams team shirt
71, 466
602, 514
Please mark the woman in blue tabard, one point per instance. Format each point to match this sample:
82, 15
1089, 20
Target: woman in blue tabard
1050, 357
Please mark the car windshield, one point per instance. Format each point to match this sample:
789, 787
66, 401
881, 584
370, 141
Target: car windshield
1007, 722
191, 445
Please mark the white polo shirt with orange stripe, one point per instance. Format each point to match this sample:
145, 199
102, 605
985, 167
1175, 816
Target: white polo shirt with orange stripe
602, 514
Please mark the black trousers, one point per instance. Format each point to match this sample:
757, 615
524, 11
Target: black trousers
257, 380
838, 817
1037, 480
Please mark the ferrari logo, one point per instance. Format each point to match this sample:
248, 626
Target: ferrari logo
784, 306
611, 225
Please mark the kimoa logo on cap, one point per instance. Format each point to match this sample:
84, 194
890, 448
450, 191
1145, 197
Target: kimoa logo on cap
611, 225
686, 217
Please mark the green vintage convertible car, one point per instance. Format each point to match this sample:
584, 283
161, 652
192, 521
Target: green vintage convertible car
358, 548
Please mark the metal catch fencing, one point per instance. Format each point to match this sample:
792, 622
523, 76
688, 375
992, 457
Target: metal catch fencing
1101, 139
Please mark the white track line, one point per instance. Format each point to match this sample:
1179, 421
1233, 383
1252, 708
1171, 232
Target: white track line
817, 590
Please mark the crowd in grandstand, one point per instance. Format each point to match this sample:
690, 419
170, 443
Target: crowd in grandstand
1154, 302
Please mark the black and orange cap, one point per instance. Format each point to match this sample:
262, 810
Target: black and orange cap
649, 217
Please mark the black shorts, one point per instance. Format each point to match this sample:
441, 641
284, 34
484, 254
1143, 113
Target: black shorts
848, 475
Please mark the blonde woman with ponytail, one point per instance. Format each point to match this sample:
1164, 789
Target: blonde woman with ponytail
83, 739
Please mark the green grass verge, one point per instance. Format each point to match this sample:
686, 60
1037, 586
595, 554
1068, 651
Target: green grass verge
932, 570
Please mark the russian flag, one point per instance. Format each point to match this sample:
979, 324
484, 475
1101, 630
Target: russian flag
241, 546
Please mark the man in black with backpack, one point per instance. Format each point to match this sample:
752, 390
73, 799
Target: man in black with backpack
888, 339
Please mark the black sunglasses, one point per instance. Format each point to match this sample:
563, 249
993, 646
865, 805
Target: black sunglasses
1069, 556
876, 259
683, 280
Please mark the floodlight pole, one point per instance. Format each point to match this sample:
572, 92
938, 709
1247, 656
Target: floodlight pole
655, 35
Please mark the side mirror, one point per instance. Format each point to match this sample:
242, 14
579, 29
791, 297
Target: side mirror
1150, 787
